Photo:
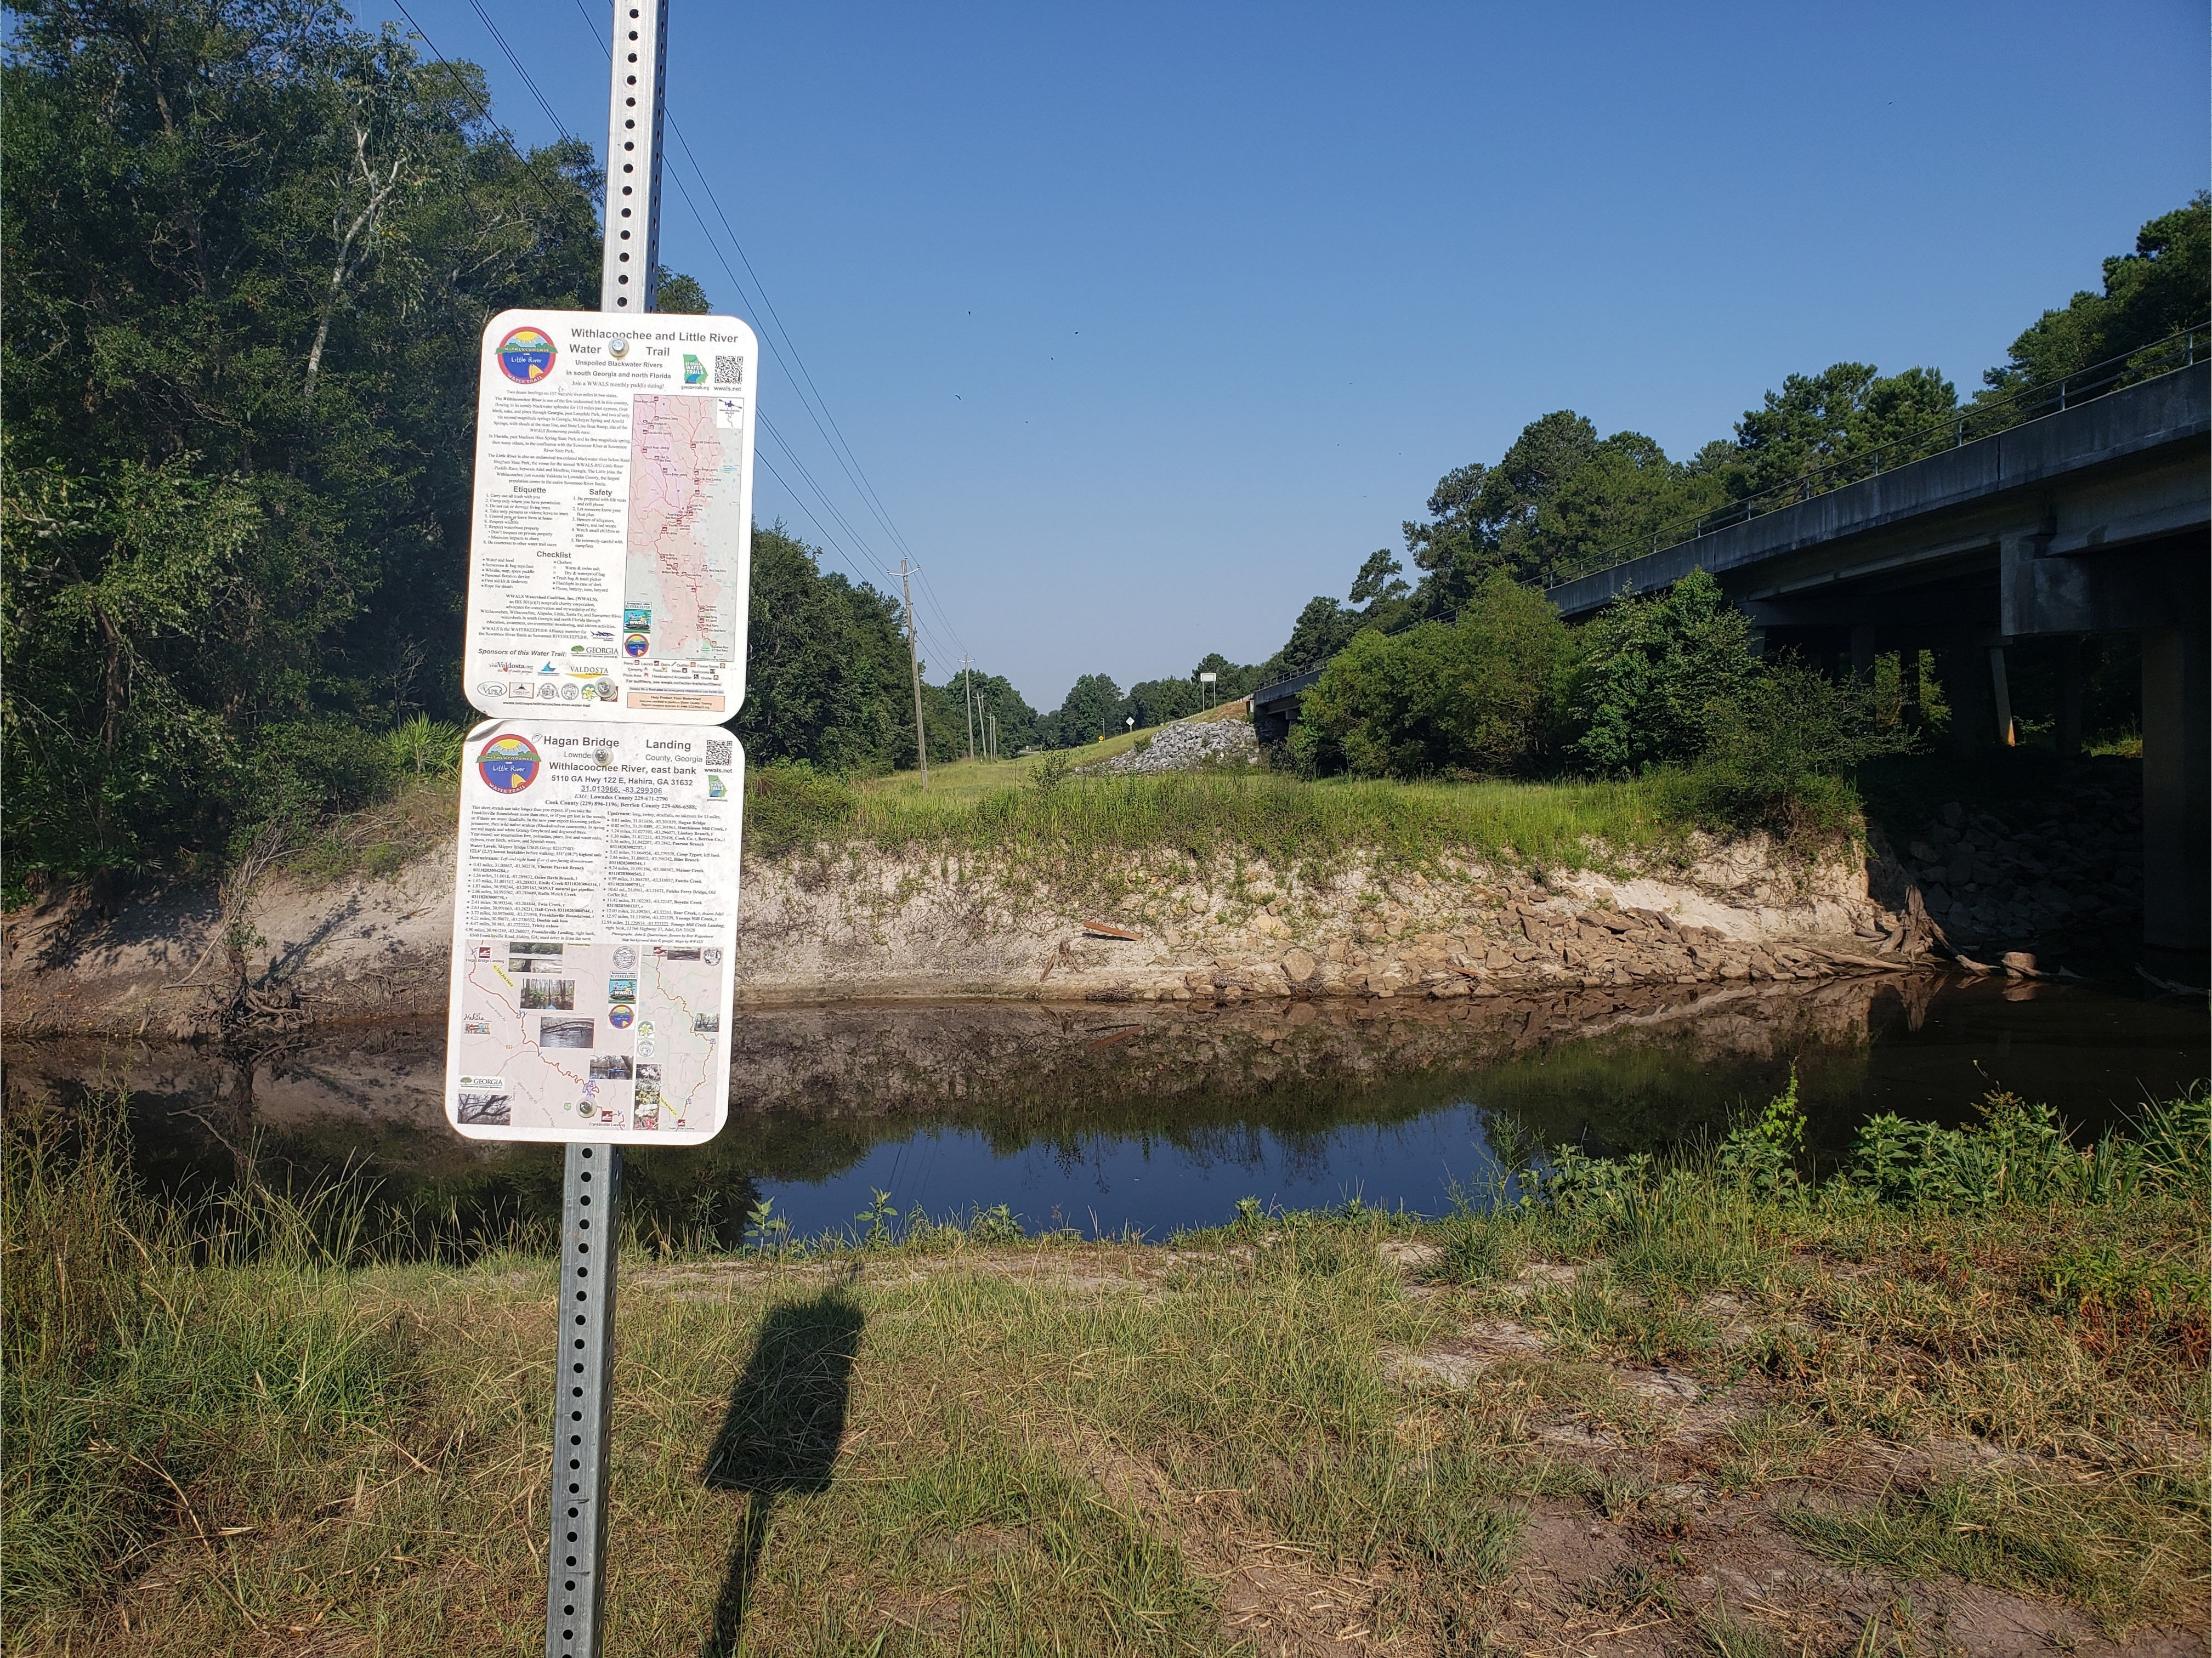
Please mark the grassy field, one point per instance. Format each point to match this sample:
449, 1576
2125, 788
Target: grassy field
1690, 1407
1085, 829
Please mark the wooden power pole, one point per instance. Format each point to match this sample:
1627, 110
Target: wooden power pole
914, 662
968, 687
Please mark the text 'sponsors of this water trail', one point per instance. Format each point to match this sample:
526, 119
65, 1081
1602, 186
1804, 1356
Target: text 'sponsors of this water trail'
610, 548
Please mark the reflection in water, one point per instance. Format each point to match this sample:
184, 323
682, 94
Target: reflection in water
1147, 1116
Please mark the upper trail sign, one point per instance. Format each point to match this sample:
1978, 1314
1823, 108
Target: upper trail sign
610, 546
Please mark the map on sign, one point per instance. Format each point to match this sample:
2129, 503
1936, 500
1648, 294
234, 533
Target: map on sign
610, 534
682, 590
595, 932
587, 1034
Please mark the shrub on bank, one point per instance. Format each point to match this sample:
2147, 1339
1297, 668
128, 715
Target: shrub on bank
1481, 694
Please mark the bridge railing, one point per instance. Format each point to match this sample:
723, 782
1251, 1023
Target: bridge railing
1982, 419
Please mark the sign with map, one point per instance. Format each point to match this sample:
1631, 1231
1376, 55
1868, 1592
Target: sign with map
610, 542
595, 920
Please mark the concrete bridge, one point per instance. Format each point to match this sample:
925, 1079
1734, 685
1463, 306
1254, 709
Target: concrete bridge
2097, 518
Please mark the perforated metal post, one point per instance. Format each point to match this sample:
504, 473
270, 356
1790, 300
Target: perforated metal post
584, 1376
591, 1189
630, 261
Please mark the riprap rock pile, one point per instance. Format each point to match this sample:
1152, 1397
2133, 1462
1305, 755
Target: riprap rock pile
1188, 745
2069, 862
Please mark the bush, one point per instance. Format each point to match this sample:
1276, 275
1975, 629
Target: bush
1780, 753
305, 768
1479, 694
1652, 673
789, 804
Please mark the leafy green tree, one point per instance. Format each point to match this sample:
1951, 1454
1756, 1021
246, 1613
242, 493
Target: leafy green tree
1780, 749
1654, 672
1816, 420
1378, 579
1481, 694
249, 252
1156, 701
1625, 490
1323, 629
1092, 708
2156, 291
994, 694
676, 292
826, 677
1231, 679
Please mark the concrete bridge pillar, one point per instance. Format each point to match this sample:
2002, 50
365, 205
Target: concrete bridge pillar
2178, 785
2066, 733
1963, 665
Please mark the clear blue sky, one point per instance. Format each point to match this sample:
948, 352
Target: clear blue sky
1148, 323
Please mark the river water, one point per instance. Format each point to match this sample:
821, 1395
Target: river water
1145, 1118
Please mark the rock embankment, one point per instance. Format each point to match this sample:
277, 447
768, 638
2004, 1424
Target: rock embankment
1188, 745
858, 924
2068, 862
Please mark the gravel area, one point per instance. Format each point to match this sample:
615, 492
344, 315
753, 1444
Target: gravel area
1188, 746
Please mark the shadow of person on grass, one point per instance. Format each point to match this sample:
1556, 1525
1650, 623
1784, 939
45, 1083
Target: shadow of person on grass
781, 1435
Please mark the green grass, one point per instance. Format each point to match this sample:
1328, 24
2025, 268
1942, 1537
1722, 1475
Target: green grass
1108, 830
243, 1426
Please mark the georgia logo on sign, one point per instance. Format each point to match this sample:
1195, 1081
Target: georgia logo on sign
509, 764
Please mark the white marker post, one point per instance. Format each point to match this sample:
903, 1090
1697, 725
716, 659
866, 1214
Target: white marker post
595, 911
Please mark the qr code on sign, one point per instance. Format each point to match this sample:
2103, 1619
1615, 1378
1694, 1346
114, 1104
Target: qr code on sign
719, 754
729, 371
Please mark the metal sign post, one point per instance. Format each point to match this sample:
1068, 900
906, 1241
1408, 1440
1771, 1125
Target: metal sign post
590, 1182
595, 905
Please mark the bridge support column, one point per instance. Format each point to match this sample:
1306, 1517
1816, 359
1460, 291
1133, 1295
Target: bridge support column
2066, 733
1966, 676
1863, 652
2177, 786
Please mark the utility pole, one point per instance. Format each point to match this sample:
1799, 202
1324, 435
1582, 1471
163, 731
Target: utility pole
967, 696
913, 661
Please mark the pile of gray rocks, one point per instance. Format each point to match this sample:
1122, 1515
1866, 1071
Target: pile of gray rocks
2068, 863
1188, 745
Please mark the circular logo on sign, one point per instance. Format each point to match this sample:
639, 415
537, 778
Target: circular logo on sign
635, 644
526, 355
625, 958
509, 764
619, 1016
569, 693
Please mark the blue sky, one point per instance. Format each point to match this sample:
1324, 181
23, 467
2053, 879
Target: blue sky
1147, 323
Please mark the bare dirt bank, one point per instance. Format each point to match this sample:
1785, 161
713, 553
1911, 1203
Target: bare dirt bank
857, 924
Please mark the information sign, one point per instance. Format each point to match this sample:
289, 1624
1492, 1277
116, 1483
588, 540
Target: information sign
610, 542
595, 921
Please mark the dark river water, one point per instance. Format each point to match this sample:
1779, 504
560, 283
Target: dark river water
1145, 1119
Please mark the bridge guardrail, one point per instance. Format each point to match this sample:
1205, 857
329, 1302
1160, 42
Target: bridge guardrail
1964, 425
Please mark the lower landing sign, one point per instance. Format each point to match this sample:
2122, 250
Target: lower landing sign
595, 923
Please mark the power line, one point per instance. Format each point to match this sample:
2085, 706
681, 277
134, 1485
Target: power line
859, 481
840, 449
475, 6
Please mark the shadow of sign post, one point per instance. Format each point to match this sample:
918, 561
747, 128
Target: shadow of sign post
781, 1435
